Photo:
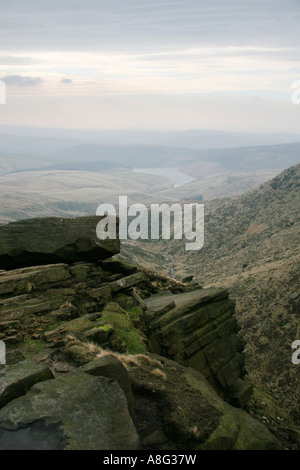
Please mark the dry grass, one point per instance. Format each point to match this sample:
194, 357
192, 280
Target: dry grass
126, 359
194, 431
159, 373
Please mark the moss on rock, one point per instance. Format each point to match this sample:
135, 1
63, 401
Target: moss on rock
132, 338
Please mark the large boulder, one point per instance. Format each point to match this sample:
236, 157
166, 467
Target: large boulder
19, 378
75, 412
40, 241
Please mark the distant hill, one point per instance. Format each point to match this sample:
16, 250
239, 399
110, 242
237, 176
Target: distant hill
204, 139
189, 160
101, 165
19, 162
141, 156
70, 179
249, 158
36, 145
40, 140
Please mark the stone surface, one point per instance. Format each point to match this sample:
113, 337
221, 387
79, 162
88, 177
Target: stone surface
154, 440
117, 266
14, 356
196, 328
109, 366
192, 414
74, 412
240, 394
20, 284
200, 331
19, 378
68, 316
53, 240
118, 285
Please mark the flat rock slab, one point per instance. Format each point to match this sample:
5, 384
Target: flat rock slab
198, 296
171, 307
39, 241
74, 412
19, 378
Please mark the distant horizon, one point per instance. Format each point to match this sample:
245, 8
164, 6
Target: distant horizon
145, 130
168, 65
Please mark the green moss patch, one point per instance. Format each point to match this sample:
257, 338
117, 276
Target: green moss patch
106, 327
132, 338
32, 347
125, 301
135, 313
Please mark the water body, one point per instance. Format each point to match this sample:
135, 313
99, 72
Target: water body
175, 174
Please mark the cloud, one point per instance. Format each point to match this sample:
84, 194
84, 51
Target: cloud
19, 81
169, 51
17, 60
66, 80
135, 25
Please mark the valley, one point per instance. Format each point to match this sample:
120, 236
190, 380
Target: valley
73, 181
252, 247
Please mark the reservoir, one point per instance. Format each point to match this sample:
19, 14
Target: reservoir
175, 174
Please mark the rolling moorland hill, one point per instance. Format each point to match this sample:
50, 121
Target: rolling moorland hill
143, 156
20, 162
73, 181
190, 160
251, 247
41, 141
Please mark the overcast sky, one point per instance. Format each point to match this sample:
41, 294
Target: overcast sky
136, 64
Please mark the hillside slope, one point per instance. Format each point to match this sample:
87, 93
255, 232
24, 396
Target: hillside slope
251, 247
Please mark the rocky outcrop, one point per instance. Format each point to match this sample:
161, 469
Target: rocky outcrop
40, 305
91, 408
198, 329
53, 240
88, 381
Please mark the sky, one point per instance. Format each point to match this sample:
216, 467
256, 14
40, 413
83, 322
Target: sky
135, 64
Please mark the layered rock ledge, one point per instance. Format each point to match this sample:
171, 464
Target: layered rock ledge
81, 335
198, 329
